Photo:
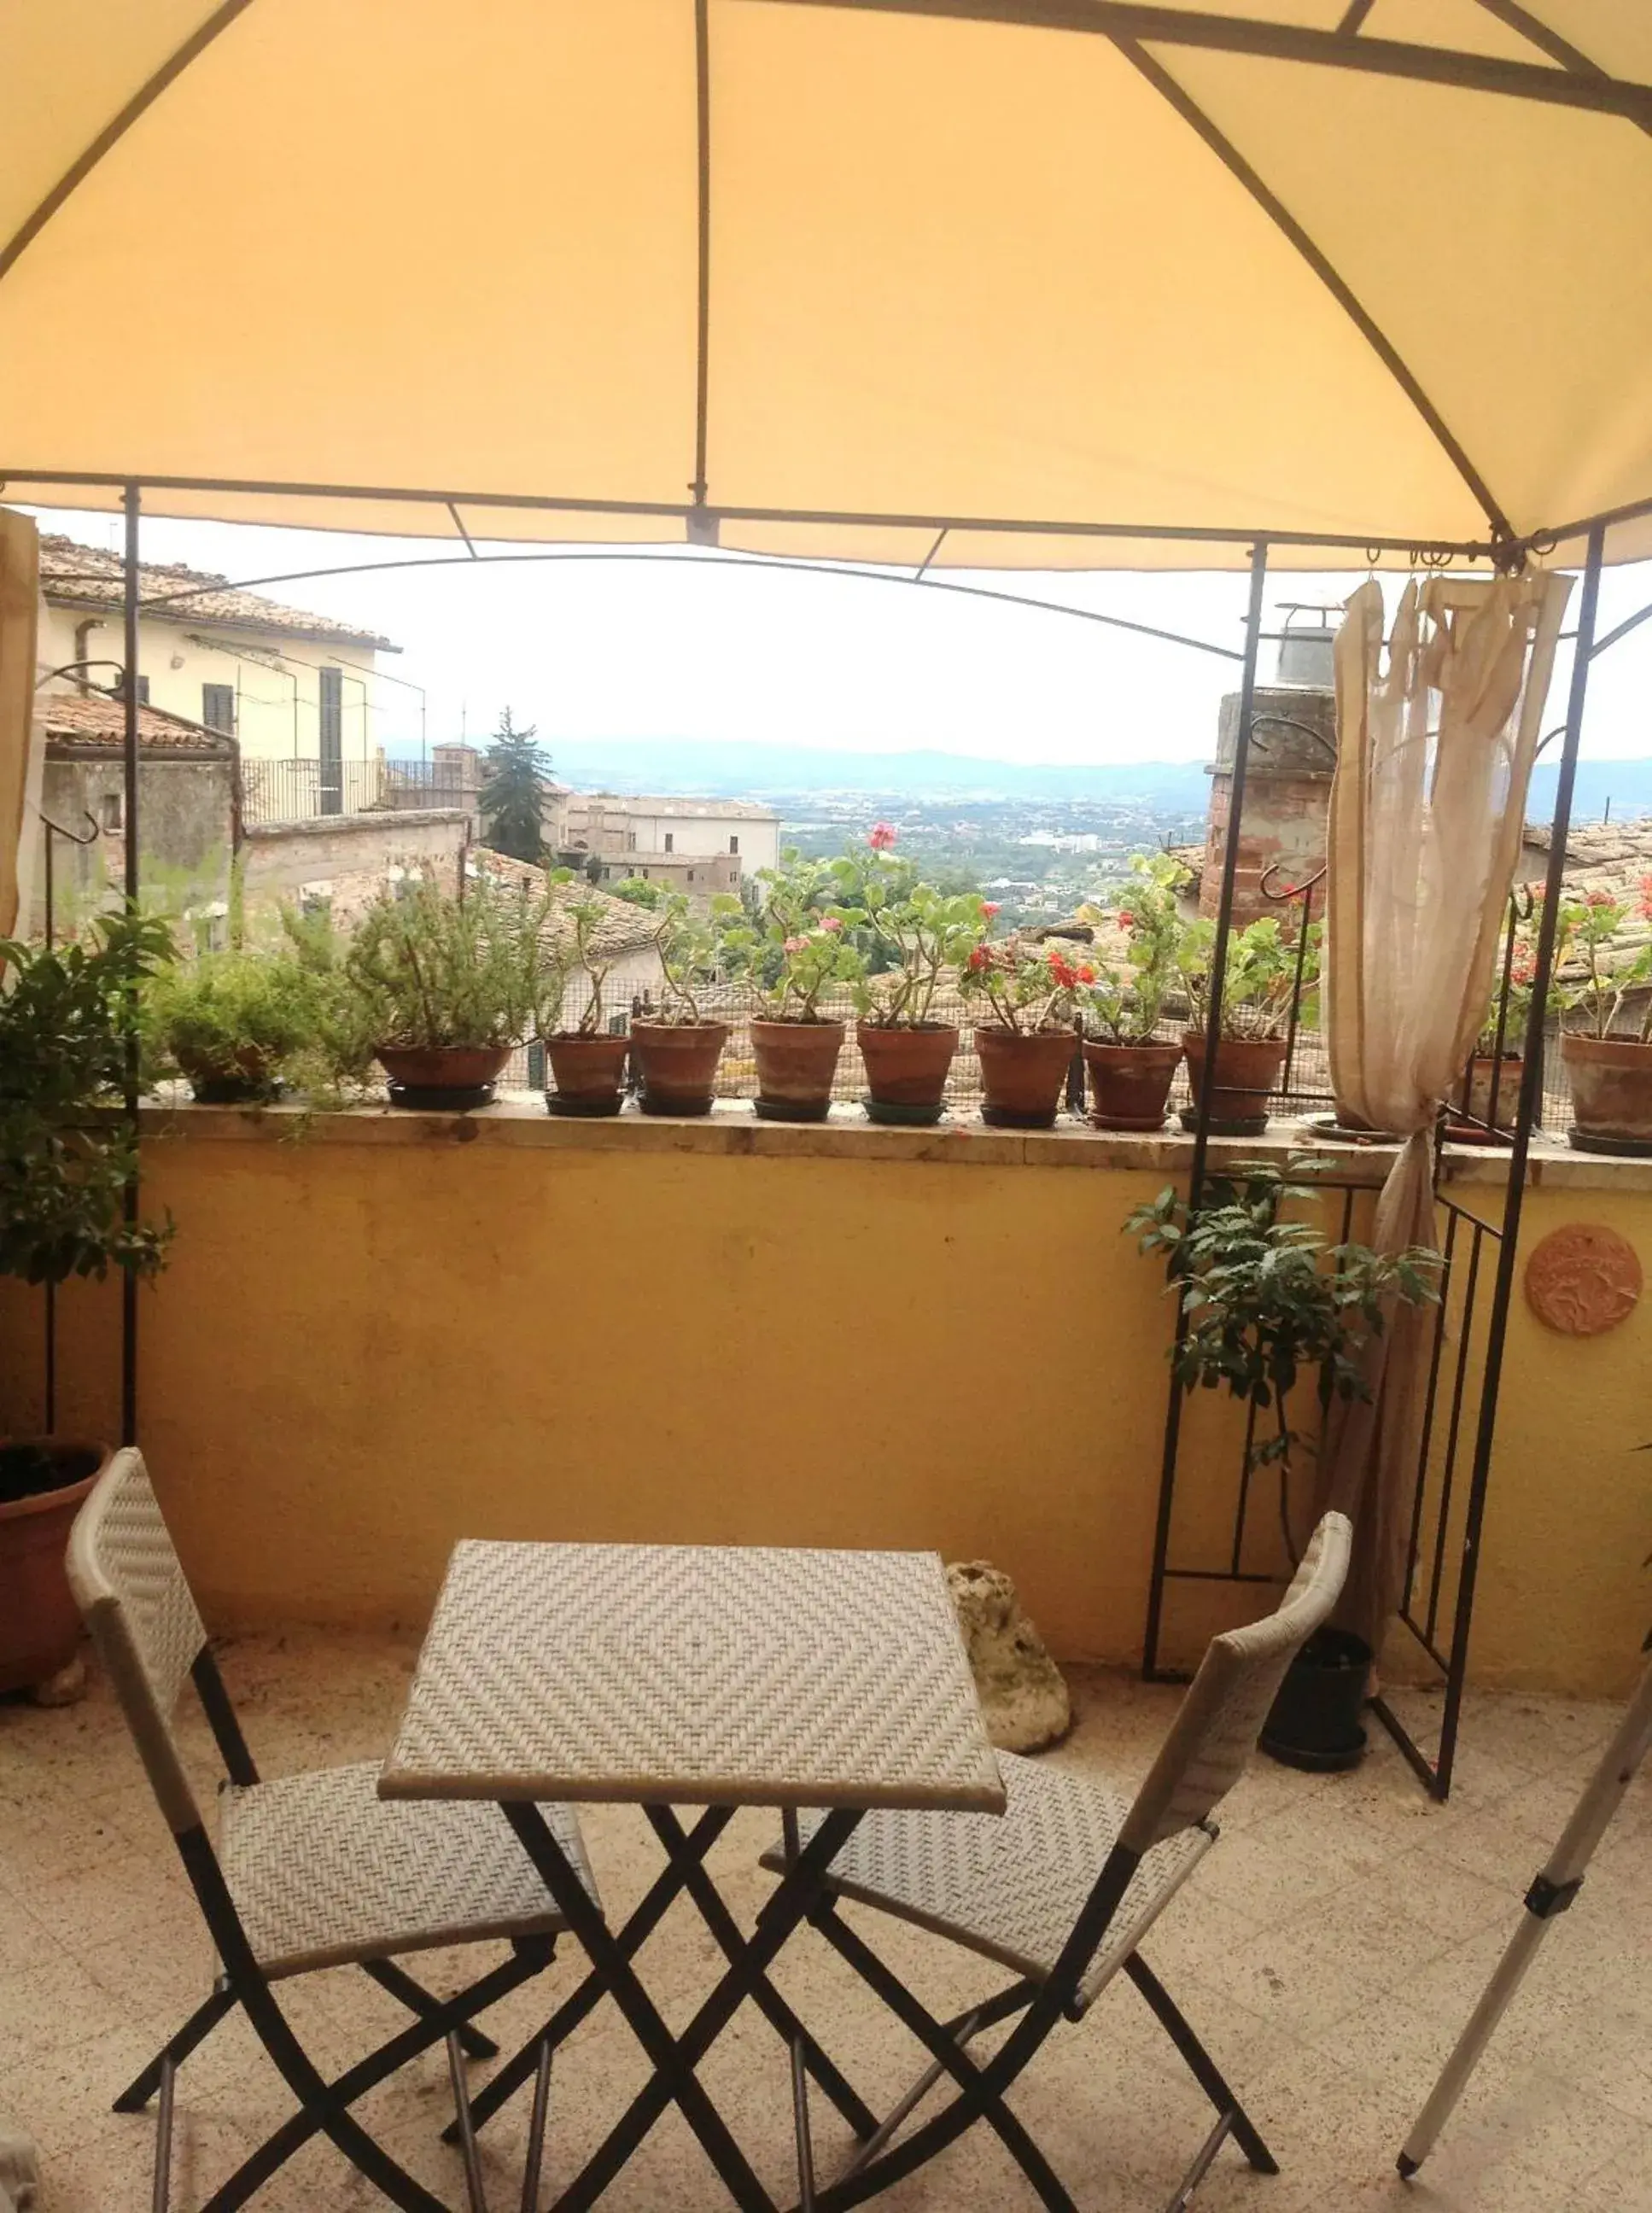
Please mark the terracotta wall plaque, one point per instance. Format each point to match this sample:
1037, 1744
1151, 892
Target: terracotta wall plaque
1583, 1279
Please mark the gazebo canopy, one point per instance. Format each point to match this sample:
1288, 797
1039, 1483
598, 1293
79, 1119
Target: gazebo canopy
986, 282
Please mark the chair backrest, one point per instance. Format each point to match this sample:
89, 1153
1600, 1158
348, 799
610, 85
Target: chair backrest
130, 1585
1215, 1728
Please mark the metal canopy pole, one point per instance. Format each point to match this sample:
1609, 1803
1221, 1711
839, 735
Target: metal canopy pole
131, 501
1207, 1085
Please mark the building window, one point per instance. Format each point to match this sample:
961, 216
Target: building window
142, 691
630, 841
217, 707
330, 693
112, 811
734, 845
671, 842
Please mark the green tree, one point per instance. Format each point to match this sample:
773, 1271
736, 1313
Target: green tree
512, 797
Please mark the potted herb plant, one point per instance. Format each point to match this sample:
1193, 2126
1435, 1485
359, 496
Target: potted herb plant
916, 935
448, 985
589, 1061
1031, 996
228, 1023
1608, 1059
1488, 1092
790, 951
1268, 1306
67, 1157
1130, 1066
1258, 986
678, 1046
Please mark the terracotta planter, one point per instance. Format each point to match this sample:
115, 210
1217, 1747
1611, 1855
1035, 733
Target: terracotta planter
1473, 1092
906, 1070
1246, 1071
1612, 1093
39, 1622
241, 1079
678, 1064
796, 1064
1130, 1084
1023, 1076
441, 1078
590, 1072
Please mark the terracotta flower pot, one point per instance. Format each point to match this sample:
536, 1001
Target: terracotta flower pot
1612, 1093
237, 1079
1130, 1084
678, 1064
1245, 1072
589, 1071
796, 1064
906, 1070
1022, 1075
1473, 1094
441, 1078
39, 1622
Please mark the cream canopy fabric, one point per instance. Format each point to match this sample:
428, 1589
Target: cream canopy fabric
821, 277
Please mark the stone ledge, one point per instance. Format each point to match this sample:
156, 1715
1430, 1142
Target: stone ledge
731, 1129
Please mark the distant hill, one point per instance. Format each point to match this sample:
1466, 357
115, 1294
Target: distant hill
762, 771
776, 771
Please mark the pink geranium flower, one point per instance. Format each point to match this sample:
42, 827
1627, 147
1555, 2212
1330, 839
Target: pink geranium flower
832, 923
880, 837
989, 907
795, 944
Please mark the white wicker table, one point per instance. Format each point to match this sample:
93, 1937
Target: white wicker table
691, 1675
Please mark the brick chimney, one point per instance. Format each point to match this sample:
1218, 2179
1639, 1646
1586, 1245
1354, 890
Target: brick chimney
1293, 756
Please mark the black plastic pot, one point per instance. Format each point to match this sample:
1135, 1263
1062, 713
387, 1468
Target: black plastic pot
1314, 1721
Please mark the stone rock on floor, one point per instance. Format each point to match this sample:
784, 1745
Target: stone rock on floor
1023, 1698
20, 2168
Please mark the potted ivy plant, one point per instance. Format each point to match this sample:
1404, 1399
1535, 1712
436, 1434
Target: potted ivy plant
678, 1045
68, 1018
1031, 994
1130, 1066
915, 936
587, 1061
1269, 1306
790, 950
1608, 1058
448, 984
228, 1023
1258, 986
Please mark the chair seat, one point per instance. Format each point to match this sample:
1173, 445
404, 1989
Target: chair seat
323, 1871
1011, 1886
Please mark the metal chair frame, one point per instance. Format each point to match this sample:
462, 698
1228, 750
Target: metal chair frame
323, 2105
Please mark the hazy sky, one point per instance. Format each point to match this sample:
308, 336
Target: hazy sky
704, 649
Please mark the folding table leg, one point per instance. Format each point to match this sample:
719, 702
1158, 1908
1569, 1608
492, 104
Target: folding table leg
1201, 2065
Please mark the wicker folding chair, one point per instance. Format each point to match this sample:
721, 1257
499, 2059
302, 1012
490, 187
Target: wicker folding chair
1062, 1888
309, 1871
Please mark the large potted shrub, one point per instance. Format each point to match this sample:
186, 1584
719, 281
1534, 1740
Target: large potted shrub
589, 1061
678, 1045
1129, 1065
448, 985
1270, 1309
1259, 985
230, 1022
1605, 1023
915, 937
1030, 995
67, 1157
790, 950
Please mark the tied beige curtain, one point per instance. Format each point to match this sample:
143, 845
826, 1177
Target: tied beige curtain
19, 600
1435, 753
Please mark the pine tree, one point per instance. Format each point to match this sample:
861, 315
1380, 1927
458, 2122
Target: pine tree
512, 796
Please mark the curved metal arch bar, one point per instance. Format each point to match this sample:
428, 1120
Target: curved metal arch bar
1287, 42
113, 132
1418, 551
689, 558
1283, 221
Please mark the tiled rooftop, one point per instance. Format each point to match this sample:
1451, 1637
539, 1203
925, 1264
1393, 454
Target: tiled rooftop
75, 575
92, 720
1328, 1952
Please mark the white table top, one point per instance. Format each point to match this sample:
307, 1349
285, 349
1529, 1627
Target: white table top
691, 1675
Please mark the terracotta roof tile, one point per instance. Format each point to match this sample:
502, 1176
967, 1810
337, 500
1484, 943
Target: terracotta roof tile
74, 575
92, 720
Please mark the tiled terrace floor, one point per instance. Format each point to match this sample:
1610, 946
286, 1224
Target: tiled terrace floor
1328, 1951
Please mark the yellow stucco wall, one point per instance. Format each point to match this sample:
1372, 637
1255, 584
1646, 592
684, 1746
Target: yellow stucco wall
370, 1345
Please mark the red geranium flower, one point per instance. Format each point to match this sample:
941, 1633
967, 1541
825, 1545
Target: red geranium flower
978, 959
1087, 974
880, 837
989, 907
